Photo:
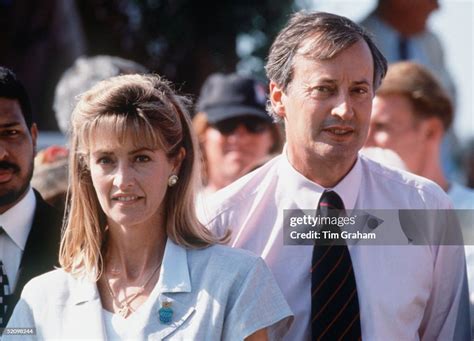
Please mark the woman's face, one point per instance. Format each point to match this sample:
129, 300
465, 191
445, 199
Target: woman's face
130, 180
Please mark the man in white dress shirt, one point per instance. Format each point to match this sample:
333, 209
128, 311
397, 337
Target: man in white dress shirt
324, 70
29, 228
411, 113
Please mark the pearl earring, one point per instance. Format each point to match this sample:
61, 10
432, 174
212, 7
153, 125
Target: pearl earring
172, 180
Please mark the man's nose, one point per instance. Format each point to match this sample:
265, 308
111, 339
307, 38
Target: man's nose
3, 151
343, 107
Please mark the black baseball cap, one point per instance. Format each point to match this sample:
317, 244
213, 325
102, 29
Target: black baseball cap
232, 95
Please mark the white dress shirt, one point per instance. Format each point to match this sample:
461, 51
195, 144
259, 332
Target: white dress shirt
16, 222
463, 199
405, 292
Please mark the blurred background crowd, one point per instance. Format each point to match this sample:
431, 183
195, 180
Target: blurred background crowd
59, 48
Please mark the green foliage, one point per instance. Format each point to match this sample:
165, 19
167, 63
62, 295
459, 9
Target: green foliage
185, 40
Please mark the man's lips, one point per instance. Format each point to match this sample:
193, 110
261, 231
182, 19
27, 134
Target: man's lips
337, 131
6, 174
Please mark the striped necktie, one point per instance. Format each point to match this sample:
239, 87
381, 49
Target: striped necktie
4, 290
3, 296
334, 302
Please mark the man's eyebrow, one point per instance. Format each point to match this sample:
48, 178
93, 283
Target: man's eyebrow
326, 80
362, 82
9, 125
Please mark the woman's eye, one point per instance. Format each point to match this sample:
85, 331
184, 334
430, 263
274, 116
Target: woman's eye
104, 161
142, 158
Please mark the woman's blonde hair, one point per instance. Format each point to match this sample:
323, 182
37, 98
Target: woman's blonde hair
146, 107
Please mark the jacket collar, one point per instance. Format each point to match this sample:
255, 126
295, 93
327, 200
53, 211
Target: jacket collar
174, 286
174, 273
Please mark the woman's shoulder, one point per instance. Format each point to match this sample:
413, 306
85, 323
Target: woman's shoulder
225, 255
226, 263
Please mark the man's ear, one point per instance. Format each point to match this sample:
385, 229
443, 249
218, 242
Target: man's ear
34, 136
276, 99
433, 129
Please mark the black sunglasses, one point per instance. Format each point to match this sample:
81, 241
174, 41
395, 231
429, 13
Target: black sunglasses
253, 125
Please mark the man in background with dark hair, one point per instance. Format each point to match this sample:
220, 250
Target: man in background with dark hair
29, 228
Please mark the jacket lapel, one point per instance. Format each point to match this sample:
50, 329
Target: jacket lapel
175, 291
41, 248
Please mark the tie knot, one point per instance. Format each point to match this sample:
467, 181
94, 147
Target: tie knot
331, 200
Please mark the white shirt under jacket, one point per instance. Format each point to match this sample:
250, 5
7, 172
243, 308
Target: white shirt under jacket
405, 292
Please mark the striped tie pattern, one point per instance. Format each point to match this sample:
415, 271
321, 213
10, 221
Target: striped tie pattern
3, 296
334, 301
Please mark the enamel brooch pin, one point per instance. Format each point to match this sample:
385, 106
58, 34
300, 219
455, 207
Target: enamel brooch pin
165, 312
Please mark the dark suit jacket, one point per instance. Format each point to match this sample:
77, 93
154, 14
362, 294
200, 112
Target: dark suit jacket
41, 249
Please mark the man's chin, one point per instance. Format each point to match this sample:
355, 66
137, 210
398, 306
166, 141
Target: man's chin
11, 197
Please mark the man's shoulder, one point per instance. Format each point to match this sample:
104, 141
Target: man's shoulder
240, 192
47, 223
44, 211
402, 183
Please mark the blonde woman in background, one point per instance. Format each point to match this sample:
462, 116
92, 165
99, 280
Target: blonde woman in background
136, 263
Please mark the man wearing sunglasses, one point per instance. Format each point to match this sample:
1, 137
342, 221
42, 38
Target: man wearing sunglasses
235, 132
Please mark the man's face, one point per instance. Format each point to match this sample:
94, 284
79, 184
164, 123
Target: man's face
17, 151
236, 145
393, 126
326, 107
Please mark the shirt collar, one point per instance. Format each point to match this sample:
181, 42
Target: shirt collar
307, 193
17, 220
174, 273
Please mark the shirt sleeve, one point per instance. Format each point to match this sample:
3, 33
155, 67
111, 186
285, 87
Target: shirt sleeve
447, 315
257, 303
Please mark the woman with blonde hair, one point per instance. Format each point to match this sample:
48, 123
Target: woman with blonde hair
136, 263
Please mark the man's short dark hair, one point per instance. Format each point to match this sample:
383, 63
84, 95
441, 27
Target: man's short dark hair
330, 34
12, 88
